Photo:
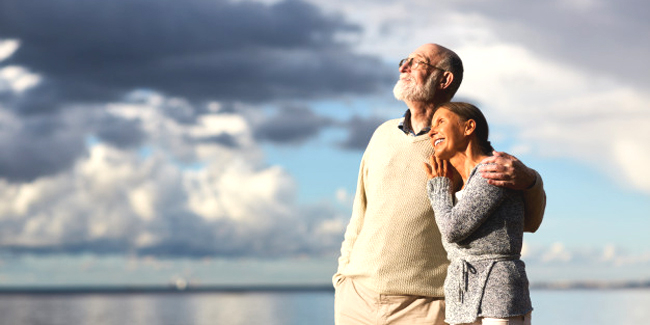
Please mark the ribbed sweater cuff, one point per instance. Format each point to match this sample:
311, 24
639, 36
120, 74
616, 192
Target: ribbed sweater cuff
439, 186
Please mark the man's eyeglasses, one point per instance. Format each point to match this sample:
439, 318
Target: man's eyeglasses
414, 65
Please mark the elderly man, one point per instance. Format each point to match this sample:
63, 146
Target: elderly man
392, 264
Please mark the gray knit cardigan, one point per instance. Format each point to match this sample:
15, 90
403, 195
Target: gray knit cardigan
482, 234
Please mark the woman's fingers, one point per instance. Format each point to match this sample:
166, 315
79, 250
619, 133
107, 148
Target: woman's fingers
437, 167
427, 168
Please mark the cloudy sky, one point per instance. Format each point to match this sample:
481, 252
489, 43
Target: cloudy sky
146, 140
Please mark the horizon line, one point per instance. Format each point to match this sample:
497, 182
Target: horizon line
279, 288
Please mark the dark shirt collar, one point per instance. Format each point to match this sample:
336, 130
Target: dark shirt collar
405, 125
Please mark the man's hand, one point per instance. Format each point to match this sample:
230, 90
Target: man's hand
507, 171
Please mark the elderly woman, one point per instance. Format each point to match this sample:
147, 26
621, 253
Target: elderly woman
483, 231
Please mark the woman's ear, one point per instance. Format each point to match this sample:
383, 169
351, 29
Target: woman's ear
470, 126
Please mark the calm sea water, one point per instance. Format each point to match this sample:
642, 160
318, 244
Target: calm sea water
573, 307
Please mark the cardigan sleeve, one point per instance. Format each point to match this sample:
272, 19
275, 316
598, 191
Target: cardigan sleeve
457, 222
535, 204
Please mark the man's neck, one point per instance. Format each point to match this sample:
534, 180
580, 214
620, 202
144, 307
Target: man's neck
421, 114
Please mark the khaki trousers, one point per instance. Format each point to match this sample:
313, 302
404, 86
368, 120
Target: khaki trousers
357, 305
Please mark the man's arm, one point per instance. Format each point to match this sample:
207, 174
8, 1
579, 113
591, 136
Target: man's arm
354, 227
507, 171
535, 204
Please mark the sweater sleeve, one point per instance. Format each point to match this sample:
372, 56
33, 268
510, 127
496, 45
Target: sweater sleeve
535, 204
478, 203
354, 227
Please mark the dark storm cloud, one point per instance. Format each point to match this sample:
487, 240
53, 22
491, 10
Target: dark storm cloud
99, 51
36, 146
95, 50
223, 139
291, 124
359, 131
119, 132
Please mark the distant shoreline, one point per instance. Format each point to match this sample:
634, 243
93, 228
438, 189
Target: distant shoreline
171, 289
62, 290
571, 285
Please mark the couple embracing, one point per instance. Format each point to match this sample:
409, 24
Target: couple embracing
438, 217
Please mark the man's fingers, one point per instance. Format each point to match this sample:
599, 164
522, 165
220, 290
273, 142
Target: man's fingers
498, 160
492, 168
489, 176
492, 159
499, 167
499, 183
493, 176
505, 155
488, 160
499, 157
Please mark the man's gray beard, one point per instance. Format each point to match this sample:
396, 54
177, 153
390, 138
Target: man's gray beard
416, 93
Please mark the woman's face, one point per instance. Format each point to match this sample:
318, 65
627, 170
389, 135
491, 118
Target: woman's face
447, 134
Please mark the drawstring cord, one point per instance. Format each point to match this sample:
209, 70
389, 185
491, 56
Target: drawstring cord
468, 269
464, 281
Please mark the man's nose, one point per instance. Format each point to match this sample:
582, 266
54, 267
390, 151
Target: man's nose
405, 67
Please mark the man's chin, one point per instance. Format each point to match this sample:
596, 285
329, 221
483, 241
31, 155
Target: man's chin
405, 93
398, 92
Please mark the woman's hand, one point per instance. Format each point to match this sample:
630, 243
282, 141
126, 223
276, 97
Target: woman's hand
438, 168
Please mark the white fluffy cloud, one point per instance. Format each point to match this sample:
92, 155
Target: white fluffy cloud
558, 111
14, 79
177, 194
8, 47
18, 79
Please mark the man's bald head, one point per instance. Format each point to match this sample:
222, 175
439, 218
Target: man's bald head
447, 60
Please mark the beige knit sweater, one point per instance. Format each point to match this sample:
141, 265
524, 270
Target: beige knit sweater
392, 244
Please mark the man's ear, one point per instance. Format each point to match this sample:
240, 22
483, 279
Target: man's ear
446, 80
470, 126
